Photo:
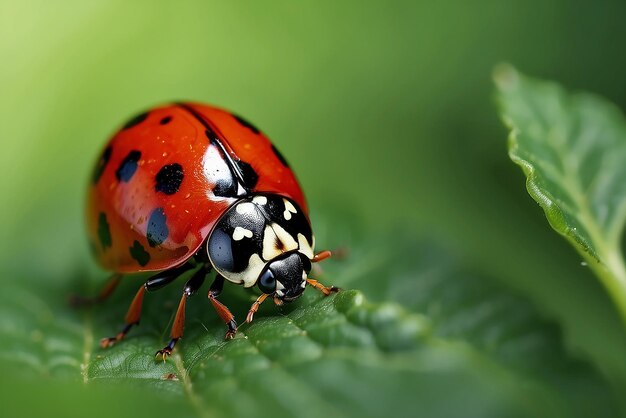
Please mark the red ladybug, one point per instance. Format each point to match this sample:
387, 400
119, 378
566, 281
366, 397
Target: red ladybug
191, 186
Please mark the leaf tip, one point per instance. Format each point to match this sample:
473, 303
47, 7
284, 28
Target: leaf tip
505, 76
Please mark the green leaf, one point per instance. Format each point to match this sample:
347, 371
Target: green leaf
423, 335
572, 148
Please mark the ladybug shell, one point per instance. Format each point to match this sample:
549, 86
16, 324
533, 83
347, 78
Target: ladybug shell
163, 181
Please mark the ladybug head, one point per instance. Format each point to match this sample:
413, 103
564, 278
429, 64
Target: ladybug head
285, 276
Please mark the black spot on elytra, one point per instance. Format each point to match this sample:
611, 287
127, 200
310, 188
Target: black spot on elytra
128, 166
104, 233
169, 178
250, 177
280, 156
139, 253
226, 187
247, 124
136, 120
101, 164
157, 227
166, 120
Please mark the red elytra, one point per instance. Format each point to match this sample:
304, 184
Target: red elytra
167, 136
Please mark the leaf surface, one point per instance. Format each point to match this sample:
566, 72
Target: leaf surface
421, 334
572, 148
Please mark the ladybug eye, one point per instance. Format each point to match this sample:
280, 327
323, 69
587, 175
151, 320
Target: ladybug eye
267, 282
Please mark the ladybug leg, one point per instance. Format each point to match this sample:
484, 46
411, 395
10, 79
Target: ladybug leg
133, 315
220, 308
324, 289
132, 318
255, 307
162, 279
105, 292
191, 287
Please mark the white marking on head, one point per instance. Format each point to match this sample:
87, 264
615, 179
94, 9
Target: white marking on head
289, 206
304, 277
305, 247
303, 284
249, 276
259, 200
269, 244
289, 209
279, 293
276, 241
245, 208
289, 243
279, 285
240, 233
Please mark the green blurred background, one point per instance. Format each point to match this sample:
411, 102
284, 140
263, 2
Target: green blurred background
384, 109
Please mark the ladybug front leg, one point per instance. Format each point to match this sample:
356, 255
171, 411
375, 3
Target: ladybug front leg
133, 315
191, 287
220, 308
255, 307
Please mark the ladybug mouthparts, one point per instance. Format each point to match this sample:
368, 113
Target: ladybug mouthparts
285, 276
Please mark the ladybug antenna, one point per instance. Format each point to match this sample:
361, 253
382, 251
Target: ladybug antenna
322, 255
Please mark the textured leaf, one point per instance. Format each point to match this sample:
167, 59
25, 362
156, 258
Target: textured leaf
433, 340
572, 148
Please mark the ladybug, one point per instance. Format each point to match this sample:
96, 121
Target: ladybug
187, 187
